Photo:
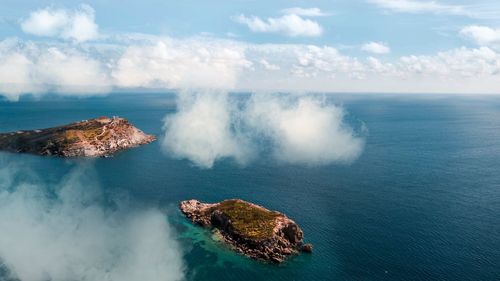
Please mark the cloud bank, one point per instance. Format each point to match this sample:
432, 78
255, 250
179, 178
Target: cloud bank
298, 130
73, 237
164, 63
180, 64
26, 67
140, 61
78, 25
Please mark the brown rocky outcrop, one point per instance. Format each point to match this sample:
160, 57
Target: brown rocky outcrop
98, 137
249, 229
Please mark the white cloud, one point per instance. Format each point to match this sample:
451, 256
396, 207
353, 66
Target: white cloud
15, 75
482, 35
376, 48
269, 66
74, 237
210, 63
461, 70
202, 130
71, 71
462, 63
35, 69
301, 130
78, 25
312, 61
180, 64
290, 25
45, 22
304, 130
306, 12
413, 6
376, 66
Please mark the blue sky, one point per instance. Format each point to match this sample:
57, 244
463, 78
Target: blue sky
348, 23
401, 38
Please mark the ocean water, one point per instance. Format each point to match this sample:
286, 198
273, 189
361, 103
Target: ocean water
421, 203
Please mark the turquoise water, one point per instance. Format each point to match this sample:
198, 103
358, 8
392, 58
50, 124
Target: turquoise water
421, 203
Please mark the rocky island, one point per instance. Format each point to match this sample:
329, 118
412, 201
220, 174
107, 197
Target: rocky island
249, 229
97, 137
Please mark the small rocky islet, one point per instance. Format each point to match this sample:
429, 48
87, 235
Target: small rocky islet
249, 229
99, 137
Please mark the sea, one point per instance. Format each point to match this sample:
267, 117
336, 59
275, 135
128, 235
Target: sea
422, 201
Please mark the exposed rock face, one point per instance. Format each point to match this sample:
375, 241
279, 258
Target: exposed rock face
89, 138
248, 228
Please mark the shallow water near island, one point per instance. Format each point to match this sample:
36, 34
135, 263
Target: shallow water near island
421, 202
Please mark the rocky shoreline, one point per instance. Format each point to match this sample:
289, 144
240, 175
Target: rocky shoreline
249, 229
99, 137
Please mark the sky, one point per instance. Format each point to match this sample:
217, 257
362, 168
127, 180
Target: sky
393, 46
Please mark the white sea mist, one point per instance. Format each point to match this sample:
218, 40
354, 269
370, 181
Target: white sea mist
203, 129
63, 231
301, 129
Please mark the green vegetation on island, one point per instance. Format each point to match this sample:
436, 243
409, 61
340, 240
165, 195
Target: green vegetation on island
249, 229
89, 138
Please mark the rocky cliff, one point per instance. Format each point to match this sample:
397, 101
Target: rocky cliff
89, 138
249, 229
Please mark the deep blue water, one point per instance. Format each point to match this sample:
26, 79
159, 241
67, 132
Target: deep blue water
421, 203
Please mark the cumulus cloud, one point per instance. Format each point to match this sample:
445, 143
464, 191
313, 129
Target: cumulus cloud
462, 62
203, 130
32, 68
78, 25
313, 61
482, 35
412, 6
15, 77
181, 64
135, 61
304, 130
307, 12
376, 48
74, 237
200, 63
269, 66
291, 25
299, 130
461, 70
